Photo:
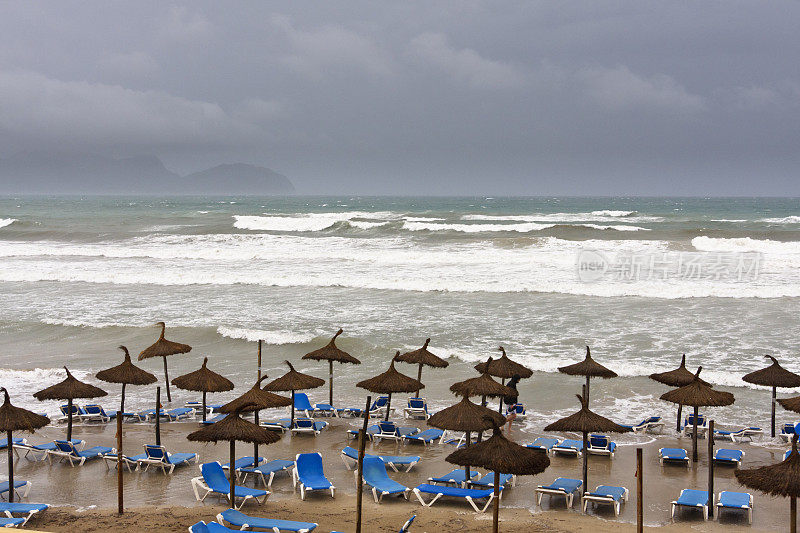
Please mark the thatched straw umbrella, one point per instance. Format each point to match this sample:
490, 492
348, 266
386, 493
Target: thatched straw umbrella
203, 380
162, 348
422, 357
483, 386
294, 381
773, 376
69, 389
390, 382
589, 368
503, 368
698, 394
233, 428
676, 378
330, 352
501, 456
781, 479
467, 417
585, 422
790, 404
126, 373
16, 419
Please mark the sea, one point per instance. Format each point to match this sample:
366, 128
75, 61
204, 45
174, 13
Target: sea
639, 280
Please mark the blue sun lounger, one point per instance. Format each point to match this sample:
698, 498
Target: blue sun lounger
543, 443
606, 494
673, 455
454, 477
130, 462
67, 450
378, 408
39, 451
179, 413
739, 434
302, 405
270, 468
371, 431
562, 486
646, 425
416, 408
374, 474
696, 499
568, 447
25, 509
94, 411
725, 456
308, 426
601, 445
788, 431
470, 495
393, 461
309, 475
213, 480
18, 484
11, 522
488, 480
211, 527
214, 419
242, 462
736, 500
14, 442
407, 525
159, 457
325, 409
390, 430
242, 521
426, 437
282, 424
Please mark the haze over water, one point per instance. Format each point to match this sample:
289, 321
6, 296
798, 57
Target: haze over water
79, 276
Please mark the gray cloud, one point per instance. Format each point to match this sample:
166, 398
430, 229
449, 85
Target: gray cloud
512, 97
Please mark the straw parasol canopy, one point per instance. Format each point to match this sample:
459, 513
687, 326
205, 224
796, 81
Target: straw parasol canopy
773, 376
791, 404
466, 416
585, 422
162, 348
294, 381
422, 357
126, 373
69, 389
331, 353
203, 380
484, 386
698, 394
676, 378
232, 428
504, 368
16, 419
501, 456
256, 399
781, 479
589, 368
390, 382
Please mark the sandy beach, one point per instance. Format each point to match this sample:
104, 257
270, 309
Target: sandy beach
85, 497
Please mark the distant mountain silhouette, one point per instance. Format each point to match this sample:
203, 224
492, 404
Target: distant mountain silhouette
63, 173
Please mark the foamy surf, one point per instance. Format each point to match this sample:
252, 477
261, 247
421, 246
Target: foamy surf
6, 222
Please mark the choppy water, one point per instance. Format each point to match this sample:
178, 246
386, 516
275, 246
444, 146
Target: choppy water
718, 279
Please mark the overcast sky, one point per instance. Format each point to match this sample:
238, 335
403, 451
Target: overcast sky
419, 97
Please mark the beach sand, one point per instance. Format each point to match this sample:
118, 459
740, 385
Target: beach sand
157, 502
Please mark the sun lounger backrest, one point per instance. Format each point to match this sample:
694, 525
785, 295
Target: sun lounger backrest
380, 402
301, 401
155, 452
309, 465
65, 446
215, 477
599, 441
388, 427
417, 403
407, 525
303, 423
374, 469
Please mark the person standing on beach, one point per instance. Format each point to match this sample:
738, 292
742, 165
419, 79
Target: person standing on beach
511, 400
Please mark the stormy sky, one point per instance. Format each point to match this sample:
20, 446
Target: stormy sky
466, 97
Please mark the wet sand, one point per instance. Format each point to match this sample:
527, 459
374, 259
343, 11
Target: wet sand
88, 493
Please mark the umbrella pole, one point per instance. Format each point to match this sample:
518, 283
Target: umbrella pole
292, 408
255, 414
793, 514
362, 442
232, 473
466, 468
587, 390
388, 407
330, 381
694, 435
122, 402
585, 462
639, 492
711, 468
496, 512
10, 467
678, 426
483, 403
69, 418
500, 407
119, 461
204, 406
166, 379
158, 416
774, 392
419, 378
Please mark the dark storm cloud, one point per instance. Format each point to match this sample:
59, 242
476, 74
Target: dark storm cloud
428, 97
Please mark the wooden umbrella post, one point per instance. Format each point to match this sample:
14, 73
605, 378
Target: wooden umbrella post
388, 407
585, 445
292, 408
774, 394
255, 414
69, 419
362, 442
587, 390
694, 434
496, 510
793, 514
678, 426
119, 462
466, 468
330, 381
639, 492
158, 416
710, 438
500, 407
232, 473
122, 402
166, 378
10, 447
204, 406
419, 378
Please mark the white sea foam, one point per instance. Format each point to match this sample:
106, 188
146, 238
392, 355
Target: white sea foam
612, 213
745, 244
475, 228
6, 222
310, 221
567, 218
270, 337
793, 219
